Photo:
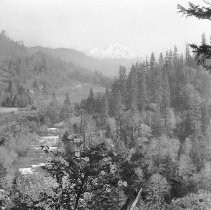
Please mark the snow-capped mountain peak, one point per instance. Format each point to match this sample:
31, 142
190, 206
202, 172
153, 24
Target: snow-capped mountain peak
116, 51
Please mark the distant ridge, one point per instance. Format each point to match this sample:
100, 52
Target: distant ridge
107, 65
106, 61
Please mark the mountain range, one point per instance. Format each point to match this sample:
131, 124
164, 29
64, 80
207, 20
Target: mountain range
42, 66
105, 61
115, 51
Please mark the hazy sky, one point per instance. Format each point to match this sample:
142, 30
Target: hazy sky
141, 25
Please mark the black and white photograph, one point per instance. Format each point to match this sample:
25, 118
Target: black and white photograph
105, 104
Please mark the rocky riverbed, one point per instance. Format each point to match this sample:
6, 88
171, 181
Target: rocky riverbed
36, 157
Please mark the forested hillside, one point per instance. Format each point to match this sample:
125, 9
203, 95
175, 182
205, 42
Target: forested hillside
25, 74
161, 111
10, 48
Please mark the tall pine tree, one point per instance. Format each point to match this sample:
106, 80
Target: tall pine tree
142, 89
132, 86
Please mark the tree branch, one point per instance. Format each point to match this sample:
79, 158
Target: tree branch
199, 12
203, 55
206, 2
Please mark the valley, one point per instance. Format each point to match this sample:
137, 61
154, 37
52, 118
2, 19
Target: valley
104, 128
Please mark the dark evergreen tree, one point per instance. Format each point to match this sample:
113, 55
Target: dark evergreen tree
90, 103
161, 60
202, 52
156, 82
112, 96
203, 39
35, 85
105, 106
3, 173
91, 94
67, 102
175, 56
132, 87
66, 108
166, 97
142, 89
123, 82
119, 108
53, 109
188, 59
205, 116
152, 70
210, 39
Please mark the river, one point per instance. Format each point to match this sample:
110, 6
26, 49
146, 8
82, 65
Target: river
36, 157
